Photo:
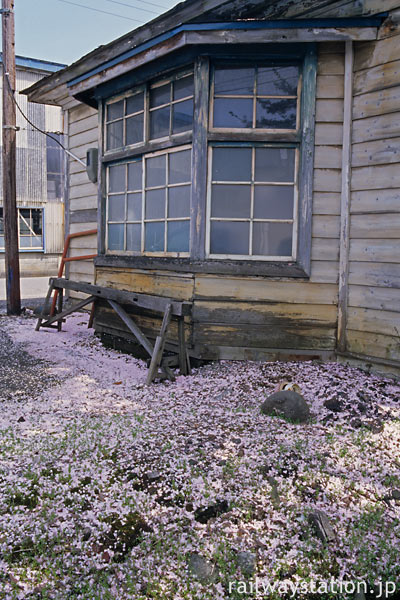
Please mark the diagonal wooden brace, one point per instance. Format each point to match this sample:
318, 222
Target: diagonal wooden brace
129, 322
67, 312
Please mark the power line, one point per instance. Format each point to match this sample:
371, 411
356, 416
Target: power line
11, 92
100, 11
144, 2
152, 12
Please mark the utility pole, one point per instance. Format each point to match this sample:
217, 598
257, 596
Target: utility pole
9, 156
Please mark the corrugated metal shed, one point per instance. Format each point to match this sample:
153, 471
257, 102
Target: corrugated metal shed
32, 145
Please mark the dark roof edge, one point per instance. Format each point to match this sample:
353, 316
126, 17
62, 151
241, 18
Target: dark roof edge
249, 25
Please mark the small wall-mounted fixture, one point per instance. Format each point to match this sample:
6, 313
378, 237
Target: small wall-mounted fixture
92, 160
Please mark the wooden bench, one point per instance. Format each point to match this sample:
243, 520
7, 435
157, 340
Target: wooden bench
168, 307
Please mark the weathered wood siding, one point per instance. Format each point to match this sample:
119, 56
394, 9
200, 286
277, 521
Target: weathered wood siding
373, 326
83, 134
252, 317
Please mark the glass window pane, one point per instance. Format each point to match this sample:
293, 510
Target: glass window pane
116, 179
273, 202
183, 87
275, 164
135, 175
54, 186
231, 201
272, 239
135, 103
180, 166
231, 164
134, 129
229, 237
116, 208
277, 81
37, 241
156, 171
235, 82
37, 220
154, 237
179, 202
134, 207
160, 95
133, 237
1, 241
25, 221
182, 116
54, 153
178, 236
25, 241
276, 114
155, 204
115, 135
233, 112
116, 236
115, 110
159, 122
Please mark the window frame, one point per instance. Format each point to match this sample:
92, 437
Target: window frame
148, 144
249, 130
143, 159
201, 137
25, 249
252, 220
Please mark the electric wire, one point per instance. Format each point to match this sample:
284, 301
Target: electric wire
106, 12
144, 2
11, 92
152, 12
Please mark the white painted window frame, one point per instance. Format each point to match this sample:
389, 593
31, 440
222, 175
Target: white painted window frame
251, 220
167, 152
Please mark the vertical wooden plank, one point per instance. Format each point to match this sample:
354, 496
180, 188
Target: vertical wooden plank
60, 307
199, 158
183, 367
46, 306
159, 346
306, 175
345, 199
101, 185
67, 182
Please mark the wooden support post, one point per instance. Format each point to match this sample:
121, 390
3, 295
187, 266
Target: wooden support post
46, 306
59, 308
183, 364
9, 138
159, 346
91, 318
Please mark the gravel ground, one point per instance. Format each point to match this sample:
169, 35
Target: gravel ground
22, 376
114, 490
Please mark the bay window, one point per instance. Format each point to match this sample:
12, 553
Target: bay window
218, 174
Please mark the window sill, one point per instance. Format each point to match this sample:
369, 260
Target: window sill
209, 266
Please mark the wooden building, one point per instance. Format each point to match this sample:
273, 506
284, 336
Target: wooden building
248, 163
39, 177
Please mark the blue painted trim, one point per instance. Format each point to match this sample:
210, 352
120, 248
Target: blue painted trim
239, 25
34, 63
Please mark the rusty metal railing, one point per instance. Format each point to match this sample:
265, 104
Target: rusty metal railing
65, 259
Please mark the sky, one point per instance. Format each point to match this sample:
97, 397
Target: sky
61, 31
